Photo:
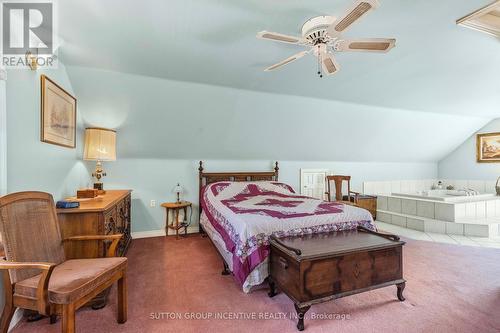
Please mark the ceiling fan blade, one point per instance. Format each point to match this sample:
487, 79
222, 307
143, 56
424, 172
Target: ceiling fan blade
359, 9
277, 37
286, 61
329, 64
382, 45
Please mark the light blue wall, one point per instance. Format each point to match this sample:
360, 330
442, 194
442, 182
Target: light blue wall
165, 127
461, 163
32, 164
159, 118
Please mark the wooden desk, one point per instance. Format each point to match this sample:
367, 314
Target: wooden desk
107, 214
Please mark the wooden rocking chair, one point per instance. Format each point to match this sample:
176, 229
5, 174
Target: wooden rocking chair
36, 275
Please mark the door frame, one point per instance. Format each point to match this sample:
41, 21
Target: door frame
305, 170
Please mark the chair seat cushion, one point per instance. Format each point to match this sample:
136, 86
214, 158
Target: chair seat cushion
73, 279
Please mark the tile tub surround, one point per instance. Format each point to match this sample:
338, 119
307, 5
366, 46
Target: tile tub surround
473, 228
426, 209
440, 238
412, 186
444, 196
451, 212
394, 204
409, 206
478, 218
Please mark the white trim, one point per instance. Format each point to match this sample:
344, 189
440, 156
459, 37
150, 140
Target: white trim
148, 234
3, 132
193, 229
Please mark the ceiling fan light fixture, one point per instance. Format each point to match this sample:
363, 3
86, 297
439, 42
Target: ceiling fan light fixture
270, 68
322, 36
486, 19
329, 65
281, 38
353, 16
369, 46
286, 61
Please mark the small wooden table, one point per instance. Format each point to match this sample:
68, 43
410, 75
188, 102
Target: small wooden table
317, 268
175, 207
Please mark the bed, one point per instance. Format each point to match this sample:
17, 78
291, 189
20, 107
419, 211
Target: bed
239, 211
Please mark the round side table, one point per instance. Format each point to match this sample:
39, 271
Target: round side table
175, 207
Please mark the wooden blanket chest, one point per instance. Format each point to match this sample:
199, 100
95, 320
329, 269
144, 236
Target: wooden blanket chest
317, 268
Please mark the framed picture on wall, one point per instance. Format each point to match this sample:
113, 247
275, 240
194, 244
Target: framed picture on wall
488, 147
58, 115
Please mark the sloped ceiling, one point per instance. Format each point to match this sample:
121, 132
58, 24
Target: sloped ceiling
165, 119
436, 67
183, 79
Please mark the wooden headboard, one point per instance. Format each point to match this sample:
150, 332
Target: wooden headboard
240, 176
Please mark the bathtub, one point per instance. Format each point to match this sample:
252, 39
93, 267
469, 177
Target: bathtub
446, 195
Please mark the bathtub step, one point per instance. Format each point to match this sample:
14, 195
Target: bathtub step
477, 227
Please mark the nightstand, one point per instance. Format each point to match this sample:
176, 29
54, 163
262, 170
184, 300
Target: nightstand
368, 202
175, 207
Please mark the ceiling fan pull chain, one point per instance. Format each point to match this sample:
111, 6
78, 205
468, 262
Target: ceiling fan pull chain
319, 62
320, 69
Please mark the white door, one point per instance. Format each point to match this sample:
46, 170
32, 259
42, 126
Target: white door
312, 183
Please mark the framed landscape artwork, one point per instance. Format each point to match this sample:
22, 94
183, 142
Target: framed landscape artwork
58, 120
488, 147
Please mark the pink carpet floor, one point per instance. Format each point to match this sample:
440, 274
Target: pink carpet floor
450, 288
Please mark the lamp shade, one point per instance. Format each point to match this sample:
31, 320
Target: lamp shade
100, 144
178, 189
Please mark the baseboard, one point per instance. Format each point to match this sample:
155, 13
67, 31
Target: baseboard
161, 232
148, 234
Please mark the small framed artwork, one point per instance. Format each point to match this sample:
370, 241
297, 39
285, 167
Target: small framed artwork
488, 147
58, 115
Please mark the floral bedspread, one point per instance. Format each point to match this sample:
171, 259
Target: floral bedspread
245, 214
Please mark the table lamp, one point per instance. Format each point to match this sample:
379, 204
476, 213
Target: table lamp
178, 190
100, 145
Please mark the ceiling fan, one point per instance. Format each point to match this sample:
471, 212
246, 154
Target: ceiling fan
322, 35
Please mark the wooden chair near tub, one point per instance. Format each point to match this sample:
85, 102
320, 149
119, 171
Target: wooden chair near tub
36, 274
351, 198
368, 202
